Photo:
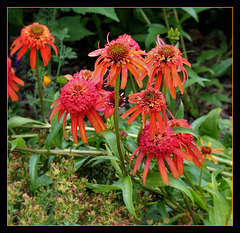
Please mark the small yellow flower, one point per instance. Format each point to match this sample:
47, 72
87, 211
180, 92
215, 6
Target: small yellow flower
46, 80
207, 150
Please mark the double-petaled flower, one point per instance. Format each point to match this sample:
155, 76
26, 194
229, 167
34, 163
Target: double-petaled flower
149, 101
78, 97
166, 146
118, 56
34, 37
165, 61
106, 103
13, 80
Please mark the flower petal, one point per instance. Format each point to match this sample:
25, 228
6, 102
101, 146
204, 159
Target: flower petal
33, 57
163, 170
82, 128
74, 127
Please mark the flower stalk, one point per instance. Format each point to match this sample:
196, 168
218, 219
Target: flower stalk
116, 123
40, 88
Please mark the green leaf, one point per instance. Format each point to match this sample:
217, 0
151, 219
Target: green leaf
43, 180
194, 78
209, 126
180, 112
215, 99
153, 31
197, 123
154, 179
114, 163
79, 162
198, 199
186, 130
18, 121
76, 30
104, 157
18, 142
125, 183
221, 67
15, 16
192, 12
55, 136
33, 171
101, 188
162, 209
206, 55
187, 16
108, 12
202, 69
219, 212
111, 140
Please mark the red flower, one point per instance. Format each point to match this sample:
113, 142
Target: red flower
186, 142
12, 82
106, 103
162, 146
78, 97
166, 60
34, 36
149, 101
119, 55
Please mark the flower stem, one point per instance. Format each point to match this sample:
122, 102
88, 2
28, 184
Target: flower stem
165, 18
76, 153
190, 210
40, 88
144, 16
116, 123
181, 37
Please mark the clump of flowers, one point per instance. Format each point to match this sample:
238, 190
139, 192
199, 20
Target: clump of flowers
13, 80
119, 55
78, 97
35, 37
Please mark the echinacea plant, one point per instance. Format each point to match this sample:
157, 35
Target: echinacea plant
164, 143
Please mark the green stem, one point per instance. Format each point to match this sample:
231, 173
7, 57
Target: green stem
170, 199
60, 60
40, 88
116, 123
190, 182
199, 185
181, 37
190, 210
76, 153
165, 18
144, 16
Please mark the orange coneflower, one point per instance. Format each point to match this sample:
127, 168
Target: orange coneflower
166, 60
207, 151
12, 82
119, 55
78, 97
34, 36
149, 101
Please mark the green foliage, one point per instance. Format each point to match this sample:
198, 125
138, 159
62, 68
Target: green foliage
45, 189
